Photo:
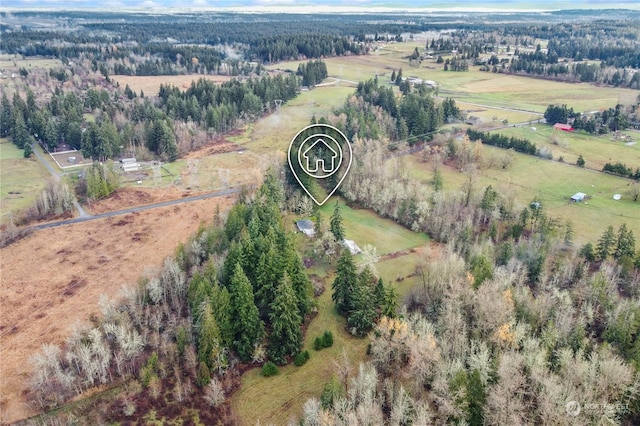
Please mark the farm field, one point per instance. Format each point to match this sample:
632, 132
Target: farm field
10, 63
551, 183
596, 150
70, 267
280, 398
21, 180
150, 85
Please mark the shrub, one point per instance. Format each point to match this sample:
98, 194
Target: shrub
324, 341
327, 339
301, 358
270, 369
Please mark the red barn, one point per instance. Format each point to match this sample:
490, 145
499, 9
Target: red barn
563, 127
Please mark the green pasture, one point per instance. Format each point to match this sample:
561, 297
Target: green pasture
366, 227
596, 150
21, 179
275, 131
552, 183
14, 64
280, 398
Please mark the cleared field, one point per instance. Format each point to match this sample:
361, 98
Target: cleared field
280, 398
366, 227
596, 150
552, 183
275, 131
69, 268
21, 180
14, 64
150, 85
487, 114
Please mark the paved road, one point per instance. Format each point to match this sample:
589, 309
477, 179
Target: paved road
137, 209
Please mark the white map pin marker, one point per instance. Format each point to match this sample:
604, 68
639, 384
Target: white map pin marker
320, 157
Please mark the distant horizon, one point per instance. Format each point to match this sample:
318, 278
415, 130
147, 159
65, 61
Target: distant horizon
325, 6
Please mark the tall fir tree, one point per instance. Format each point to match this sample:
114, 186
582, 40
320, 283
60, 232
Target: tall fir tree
606, 243
363, 314
248, 329
208, 335
626, 243
345, 283
335, 224
5, 116
286, 337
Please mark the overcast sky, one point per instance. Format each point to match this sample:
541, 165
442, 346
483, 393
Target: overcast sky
364, 4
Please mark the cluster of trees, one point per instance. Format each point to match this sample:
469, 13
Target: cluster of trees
521, 145
220, 106
312, 72
531, 342
621, 169
375, 112
282, 48
236, 291
600, 122
263, 269
360, 297
456, 64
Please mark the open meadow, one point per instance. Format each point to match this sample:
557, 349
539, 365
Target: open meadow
150, 85
21, 180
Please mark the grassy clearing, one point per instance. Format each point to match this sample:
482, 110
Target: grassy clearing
552, 183
150, 85
21, 180
596, 150
366, 227
14, 64
275, 131
486, 114
280, 398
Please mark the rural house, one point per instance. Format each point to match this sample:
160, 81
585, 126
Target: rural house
306, 227
563, 127
578, 196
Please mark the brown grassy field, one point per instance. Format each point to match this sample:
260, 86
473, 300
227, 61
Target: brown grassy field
151, 84
69, 268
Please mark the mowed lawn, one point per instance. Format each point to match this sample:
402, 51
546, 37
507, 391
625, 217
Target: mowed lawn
279, 399
366, 227
21, 179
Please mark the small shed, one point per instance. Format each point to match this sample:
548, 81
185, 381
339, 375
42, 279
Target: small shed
563, 127
352, 246
578, 196
306, 227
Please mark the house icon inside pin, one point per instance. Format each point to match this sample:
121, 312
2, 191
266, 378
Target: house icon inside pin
319, 163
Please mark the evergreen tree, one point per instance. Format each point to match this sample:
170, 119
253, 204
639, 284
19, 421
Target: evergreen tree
626, 243
5, 116
476, 398
286, 336
345, 283
248, 329
363, 315
580, 162
389, 304
335, 224
606, 243
393, 76
208, 335
19, 132
398, 79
